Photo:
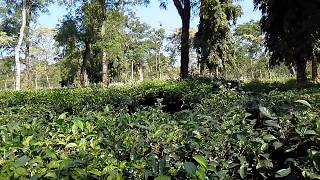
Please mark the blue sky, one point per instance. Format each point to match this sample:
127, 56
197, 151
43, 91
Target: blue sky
152, 15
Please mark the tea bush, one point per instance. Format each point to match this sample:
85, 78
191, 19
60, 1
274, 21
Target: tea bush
194, 129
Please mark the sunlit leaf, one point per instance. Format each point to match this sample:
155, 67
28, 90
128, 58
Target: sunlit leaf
201, 160
162, 178
304, 102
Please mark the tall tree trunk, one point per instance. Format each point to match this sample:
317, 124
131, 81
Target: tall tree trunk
184, 10
156, 65
6, 83
47, 77
18, 47
292, 70
27, 40
159, 64
314, 69
141, 73
301, 72
36, 81
83, 71
251, 64
132, 71
216, 71
105, 62
105, 70
269, 70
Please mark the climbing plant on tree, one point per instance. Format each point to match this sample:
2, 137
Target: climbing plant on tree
213, 40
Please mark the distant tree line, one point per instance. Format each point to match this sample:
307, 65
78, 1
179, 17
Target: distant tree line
101, 41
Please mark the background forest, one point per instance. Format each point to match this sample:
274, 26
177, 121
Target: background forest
102, 42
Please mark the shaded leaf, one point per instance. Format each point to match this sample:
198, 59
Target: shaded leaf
283, 172
269, 137
264, 112
51, 175
243, 170
190, 168
22, 160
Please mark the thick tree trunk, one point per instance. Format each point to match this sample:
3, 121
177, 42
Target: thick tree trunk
184, 11
86, 56
314, 69
18, 47
301, 72
184, 68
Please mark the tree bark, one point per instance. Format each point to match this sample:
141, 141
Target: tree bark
292, 71
184, 10
47, 77
36, 81
301, 72
105, 70
105, 62
132, 74
18, 47
27, 40
86, 56
141, 73
251, 64
314, 69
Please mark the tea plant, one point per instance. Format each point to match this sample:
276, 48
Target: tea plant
194, 129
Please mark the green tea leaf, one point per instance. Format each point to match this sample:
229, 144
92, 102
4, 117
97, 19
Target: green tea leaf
201, 160
264, 112
283, 172
243, 170
190, 168
63, 116
95, 172
162, 178
51, 175
26, 142
22, 161
272, 123
201, 173
20, 171
277, 144
267, 163
71, 145
269, 137
311, 132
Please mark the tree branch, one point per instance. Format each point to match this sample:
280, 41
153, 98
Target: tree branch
179, 7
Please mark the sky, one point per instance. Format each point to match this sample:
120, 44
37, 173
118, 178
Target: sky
152, 15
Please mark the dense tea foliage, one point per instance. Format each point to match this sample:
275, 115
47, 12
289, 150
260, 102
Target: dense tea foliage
197, 129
